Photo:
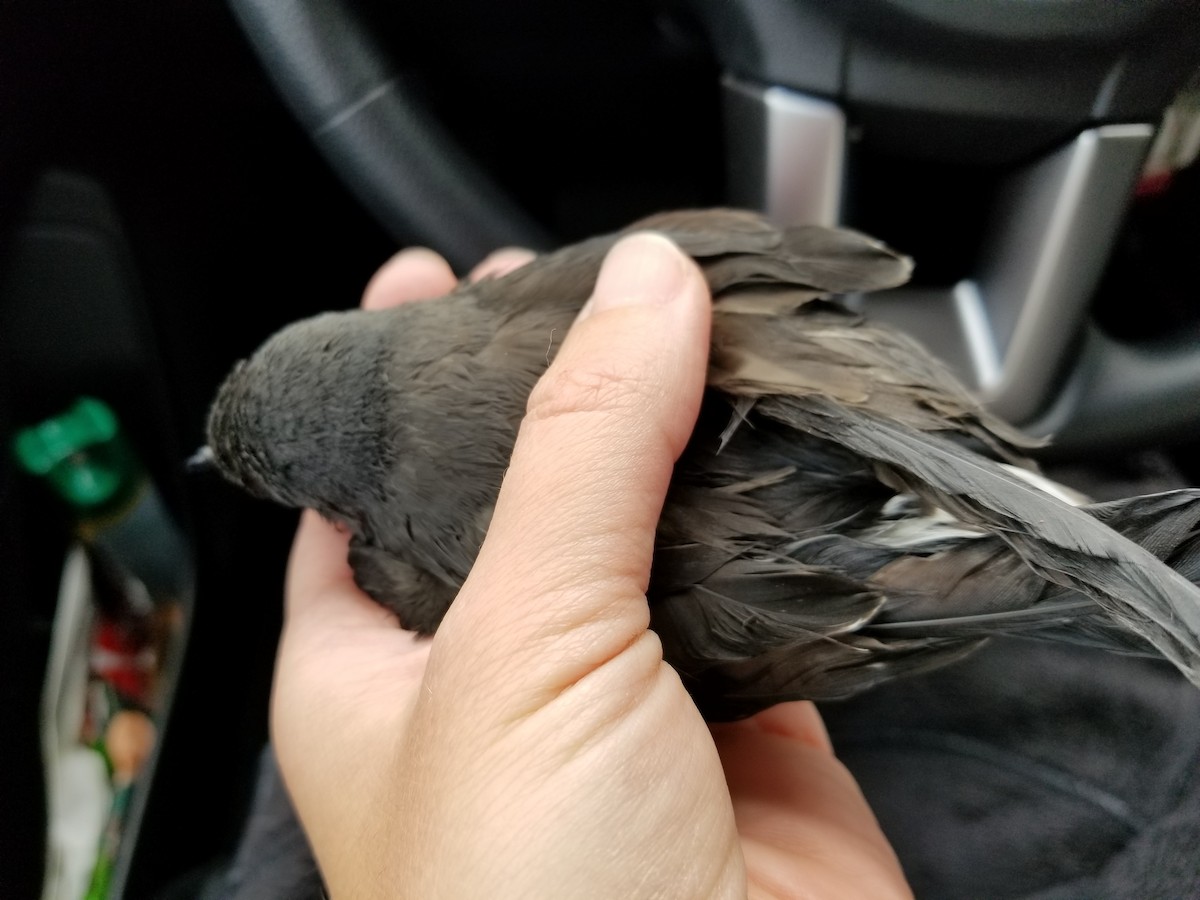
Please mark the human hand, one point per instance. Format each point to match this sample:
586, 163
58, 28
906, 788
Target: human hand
538, 745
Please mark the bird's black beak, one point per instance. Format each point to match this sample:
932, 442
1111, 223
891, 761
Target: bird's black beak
201, 462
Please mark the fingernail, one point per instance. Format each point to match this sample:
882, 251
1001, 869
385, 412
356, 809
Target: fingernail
643, 269
500, 262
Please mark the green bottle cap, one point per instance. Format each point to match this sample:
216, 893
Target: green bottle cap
79, 453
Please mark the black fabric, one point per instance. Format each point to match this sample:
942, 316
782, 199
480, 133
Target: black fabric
1035, 771
274, 860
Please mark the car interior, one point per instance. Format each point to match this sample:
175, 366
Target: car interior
178, 180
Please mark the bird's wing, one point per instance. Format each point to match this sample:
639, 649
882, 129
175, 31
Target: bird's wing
746, 628
739, 249
1061, 543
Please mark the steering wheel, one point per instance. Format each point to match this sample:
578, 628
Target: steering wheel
1061, 101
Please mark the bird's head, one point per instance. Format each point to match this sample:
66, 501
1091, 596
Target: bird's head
300, 421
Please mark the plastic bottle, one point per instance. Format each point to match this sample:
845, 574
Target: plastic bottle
140, 573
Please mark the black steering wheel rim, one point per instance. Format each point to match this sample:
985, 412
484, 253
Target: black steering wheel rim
380, 139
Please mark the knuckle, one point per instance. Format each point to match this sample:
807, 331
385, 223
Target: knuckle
569, 390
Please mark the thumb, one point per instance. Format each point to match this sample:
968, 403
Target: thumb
558, 589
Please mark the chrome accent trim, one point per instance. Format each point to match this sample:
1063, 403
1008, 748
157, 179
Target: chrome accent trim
980, 342
1016, 329
1044, 256
786, 152
1015, 321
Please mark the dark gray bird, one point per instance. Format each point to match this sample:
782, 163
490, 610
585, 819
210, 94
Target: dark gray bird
845, 512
